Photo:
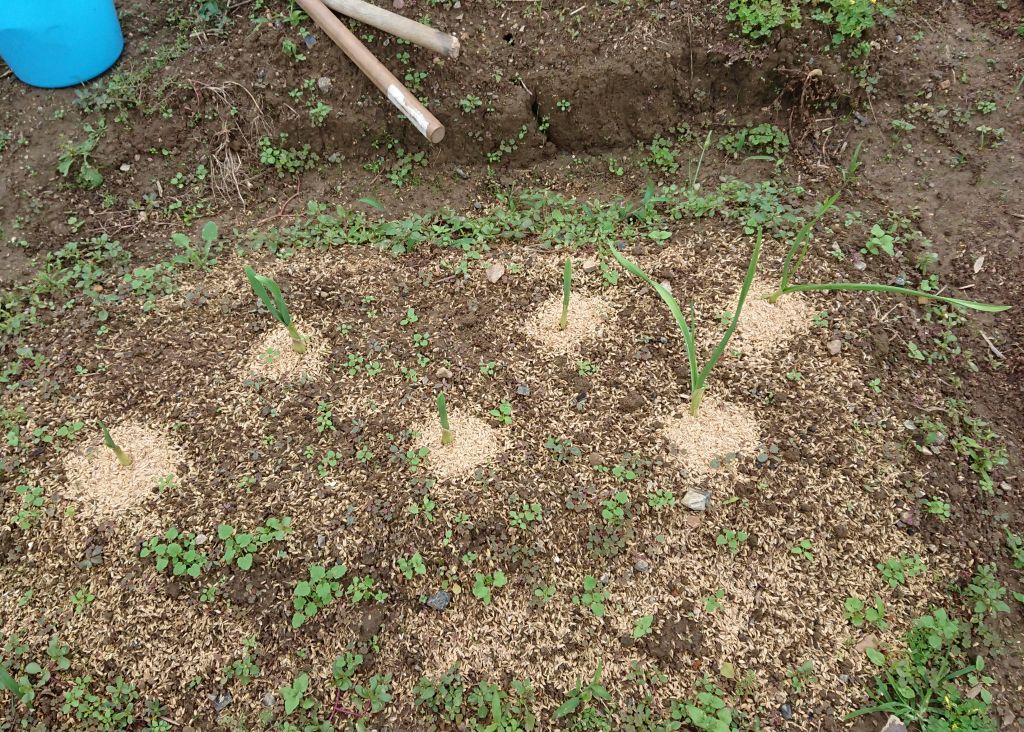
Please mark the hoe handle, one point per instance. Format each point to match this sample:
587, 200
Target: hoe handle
398, 25
383, 79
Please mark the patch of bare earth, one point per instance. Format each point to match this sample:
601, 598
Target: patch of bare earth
718, 431
95, 476
272, 356
476, 443
587, 316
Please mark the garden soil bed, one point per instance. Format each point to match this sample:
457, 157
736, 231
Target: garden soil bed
823, 403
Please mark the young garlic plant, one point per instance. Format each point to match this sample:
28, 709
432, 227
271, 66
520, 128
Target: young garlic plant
270, 295
800, 247
566, 290
447, 436
698, 376
122, 457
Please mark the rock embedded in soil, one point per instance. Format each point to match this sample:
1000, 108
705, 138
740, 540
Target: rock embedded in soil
495, 272
835, 346
894, 724
440, 600
695, 500
786, 710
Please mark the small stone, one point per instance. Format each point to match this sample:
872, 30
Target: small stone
523, 390
440, 600
269, 699
201, 539
786, 710
125, 167
495, 272
695, 500
590, 264
642, 566
868, 641
221, 701
894, 724
324, 84
462, 174
835, 346
309, 40
444, 373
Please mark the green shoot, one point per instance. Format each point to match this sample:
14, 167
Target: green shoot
890, 289
270, 295
801, 245
122, 457
8, 682
566, 290
447, 436
698, 376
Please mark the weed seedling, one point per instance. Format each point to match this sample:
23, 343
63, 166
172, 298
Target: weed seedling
483, 583
804, 549
642, 626
858, 612
447, 436
270, 295
896, 570
732, 539
176, 550
122, 457
563, 322
502, 413
320, 590
593, 596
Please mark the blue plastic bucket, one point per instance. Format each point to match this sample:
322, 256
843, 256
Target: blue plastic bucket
59, 42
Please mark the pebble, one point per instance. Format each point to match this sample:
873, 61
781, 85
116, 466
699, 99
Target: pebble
440, 600
125, 167
495, 272
324, 84
269, 699
590, 264
695, 500
786, 710
642, 566
835, 346
894, 724
523, 390
221, 701
201, 539
444, 373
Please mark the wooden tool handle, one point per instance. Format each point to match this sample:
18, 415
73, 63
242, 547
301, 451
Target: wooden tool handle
398, 25
383, 79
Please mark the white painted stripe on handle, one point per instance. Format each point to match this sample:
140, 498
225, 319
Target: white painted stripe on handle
415, 116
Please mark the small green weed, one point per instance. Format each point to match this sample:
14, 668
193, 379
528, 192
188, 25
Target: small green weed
321, 589
176, 550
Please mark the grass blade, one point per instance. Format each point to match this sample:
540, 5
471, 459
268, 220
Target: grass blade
752, 269
566, 290
7, 681
673, 306
270, 295
447, 436
803, 238
122, 457
892, 290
